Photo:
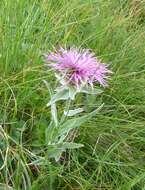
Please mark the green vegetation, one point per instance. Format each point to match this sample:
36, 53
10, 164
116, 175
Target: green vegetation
113, 157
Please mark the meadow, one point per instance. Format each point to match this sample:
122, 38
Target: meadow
113, 156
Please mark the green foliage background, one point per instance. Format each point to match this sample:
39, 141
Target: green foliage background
114, 153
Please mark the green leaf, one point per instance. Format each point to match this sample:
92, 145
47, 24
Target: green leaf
71, 145
76, 122
72, 92
89, 90
73, 112
55, 150
51, 133
61, 80
53, 106
60, 95
54, 114
5, 187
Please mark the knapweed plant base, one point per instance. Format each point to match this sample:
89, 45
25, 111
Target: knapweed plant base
76, 71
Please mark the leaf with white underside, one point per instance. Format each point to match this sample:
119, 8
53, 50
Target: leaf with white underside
5, 187
73, 112
55, 150
71, 145
76, 122
89, 90
71, 89
54, 114
65, 92
61, 79
60, 95
72, 92
53, 106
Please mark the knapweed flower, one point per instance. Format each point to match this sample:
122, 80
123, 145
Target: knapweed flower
78, 67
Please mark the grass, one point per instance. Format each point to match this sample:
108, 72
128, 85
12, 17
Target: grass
114, 153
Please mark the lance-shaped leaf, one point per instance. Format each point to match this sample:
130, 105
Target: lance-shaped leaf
89, 90
76, 122
60, 95
54, 114
73, 112
72, 92
53, 106
5, 187
55, 150
71, 145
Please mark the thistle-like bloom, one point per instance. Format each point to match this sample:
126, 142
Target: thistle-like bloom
78, 67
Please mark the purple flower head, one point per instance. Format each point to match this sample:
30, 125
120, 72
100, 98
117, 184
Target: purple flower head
78, 67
